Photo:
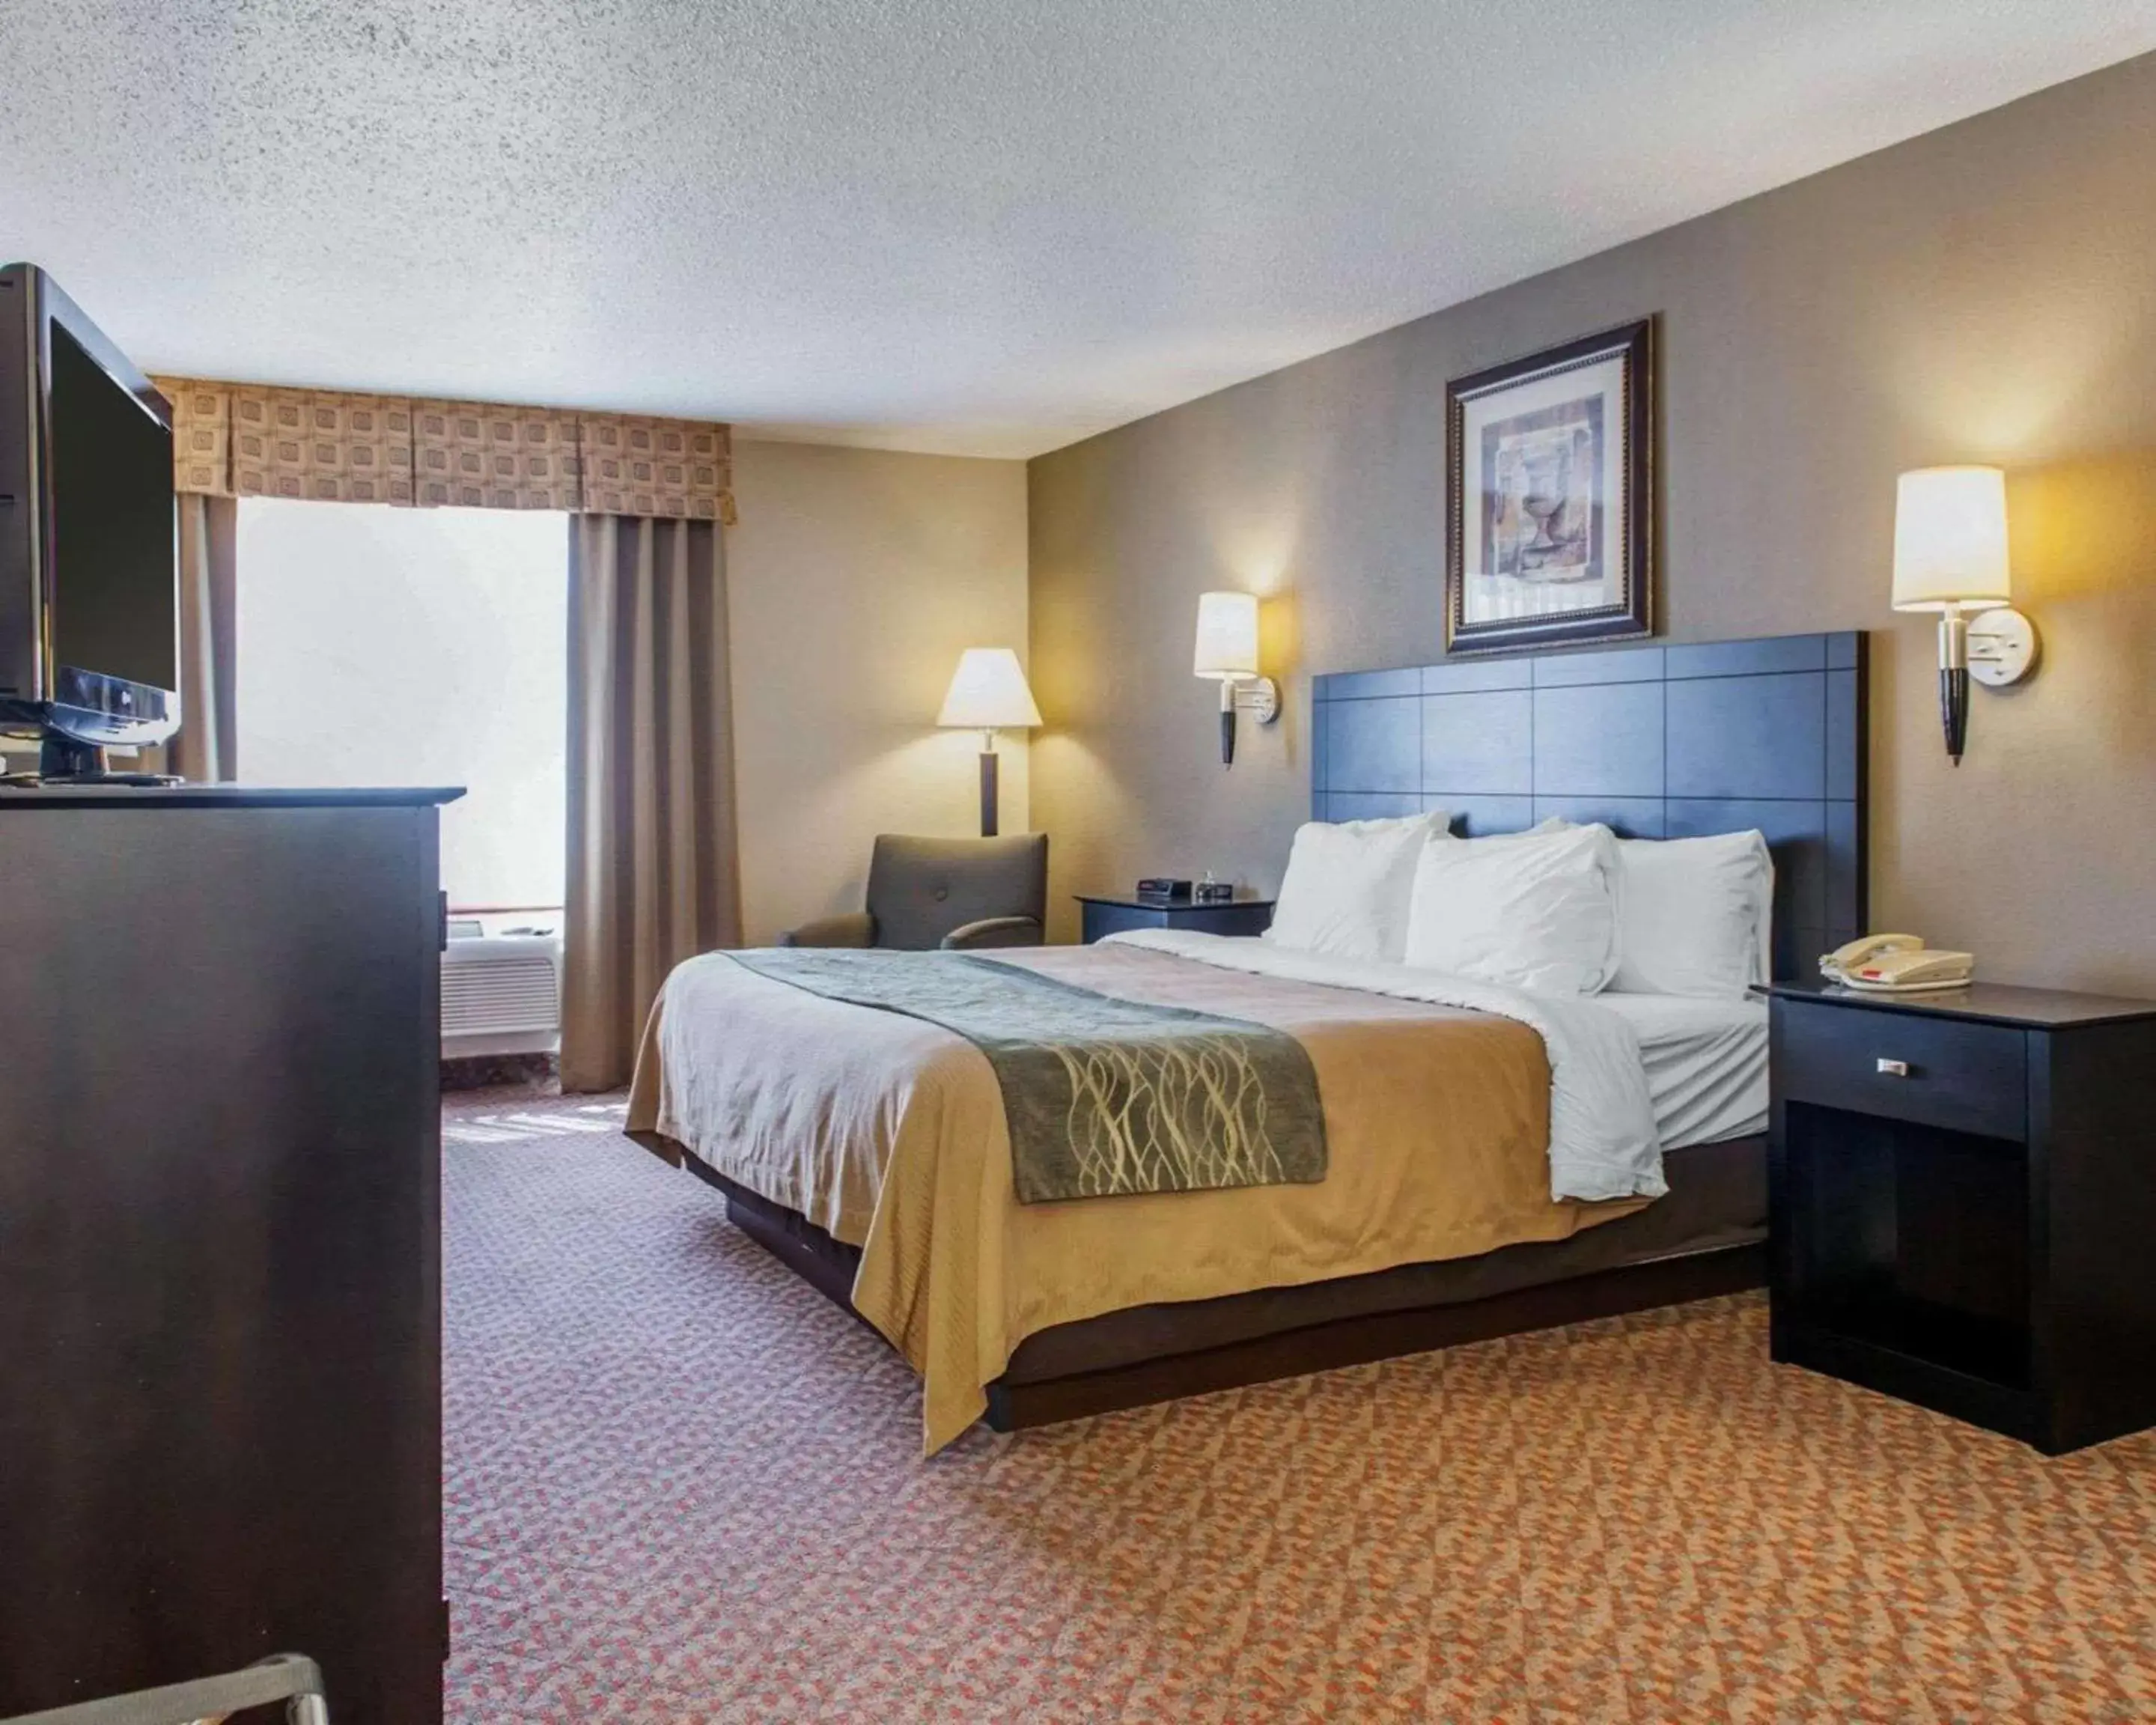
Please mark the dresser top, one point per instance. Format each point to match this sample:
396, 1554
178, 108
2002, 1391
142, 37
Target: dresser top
223, 796
1982, 1002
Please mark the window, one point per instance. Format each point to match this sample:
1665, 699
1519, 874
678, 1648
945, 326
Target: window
383, 646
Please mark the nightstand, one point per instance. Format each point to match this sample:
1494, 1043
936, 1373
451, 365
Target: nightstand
1962, 1191
1112, 915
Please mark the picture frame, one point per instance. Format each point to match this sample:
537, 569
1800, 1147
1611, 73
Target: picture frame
1550, 496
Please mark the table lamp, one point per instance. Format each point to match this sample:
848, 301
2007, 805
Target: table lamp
988, 694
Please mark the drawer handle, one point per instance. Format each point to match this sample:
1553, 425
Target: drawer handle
1893, 1069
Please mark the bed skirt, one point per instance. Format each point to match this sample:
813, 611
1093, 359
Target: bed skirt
1707, 1236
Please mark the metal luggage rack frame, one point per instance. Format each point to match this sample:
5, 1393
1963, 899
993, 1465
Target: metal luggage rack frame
289, 1677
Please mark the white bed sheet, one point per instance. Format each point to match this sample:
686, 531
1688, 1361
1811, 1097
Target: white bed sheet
1706, 1061
1603, 1141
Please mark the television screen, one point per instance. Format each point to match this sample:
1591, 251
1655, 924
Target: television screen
113, 524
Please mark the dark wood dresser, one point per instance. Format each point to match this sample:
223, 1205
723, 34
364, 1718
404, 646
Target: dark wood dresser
1962, 1189
220, 1364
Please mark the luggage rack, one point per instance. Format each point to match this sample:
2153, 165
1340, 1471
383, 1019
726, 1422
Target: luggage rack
287, 1677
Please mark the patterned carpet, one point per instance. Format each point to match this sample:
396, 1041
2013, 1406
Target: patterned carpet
682, 1487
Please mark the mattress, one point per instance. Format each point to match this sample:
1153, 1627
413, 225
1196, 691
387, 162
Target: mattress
1706, 1062
889, 1132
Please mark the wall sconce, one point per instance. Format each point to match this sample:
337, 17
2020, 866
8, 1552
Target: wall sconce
988, 694
1227, 650
1950, 556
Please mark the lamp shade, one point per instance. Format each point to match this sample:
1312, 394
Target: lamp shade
1950, 539
1227, 635
988, 692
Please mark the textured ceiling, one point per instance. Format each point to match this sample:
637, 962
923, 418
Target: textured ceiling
987, 227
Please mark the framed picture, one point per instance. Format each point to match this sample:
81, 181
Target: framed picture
1551, 468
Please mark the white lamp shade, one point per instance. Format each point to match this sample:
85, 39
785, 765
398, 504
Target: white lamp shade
1950, 539
988, 692
1227, 635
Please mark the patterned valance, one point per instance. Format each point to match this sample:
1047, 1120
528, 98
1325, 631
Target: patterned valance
497, 457
330, 447
247, 440
201, 435
673, 467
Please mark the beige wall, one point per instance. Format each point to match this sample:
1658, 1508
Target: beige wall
1985, 293
854, 579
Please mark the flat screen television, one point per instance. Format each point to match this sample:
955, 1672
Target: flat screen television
89, 556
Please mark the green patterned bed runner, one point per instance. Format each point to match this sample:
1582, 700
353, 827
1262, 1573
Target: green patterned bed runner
1103, 1095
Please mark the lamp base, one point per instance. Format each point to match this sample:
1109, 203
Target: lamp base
988, 794
1257, 696
1953, 681
1953, 710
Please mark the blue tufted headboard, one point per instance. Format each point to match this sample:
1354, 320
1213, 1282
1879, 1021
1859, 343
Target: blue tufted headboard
1659, 742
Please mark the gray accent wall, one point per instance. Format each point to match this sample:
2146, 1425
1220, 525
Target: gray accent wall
1982, 292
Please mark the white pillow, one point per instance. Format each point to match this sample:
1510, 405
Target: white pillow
1693, 915
1548, 823
1346, 891
1529, 910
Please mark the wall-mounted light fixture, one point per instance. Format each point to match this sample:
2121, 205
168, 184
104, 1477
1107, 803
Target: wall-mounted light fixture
1950, 556
988, 694
1227, 650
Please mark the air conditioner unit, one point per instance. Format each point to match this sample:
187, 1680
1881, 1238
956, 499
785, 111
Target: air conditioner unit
501, 994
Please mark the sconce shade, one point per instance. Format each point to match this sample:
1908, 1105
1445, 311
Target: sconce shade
1950, 539
1227, 635
988, 692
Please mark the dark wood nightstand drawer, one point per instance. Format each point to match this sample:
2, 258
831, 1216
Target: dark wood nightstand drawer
1943, 1072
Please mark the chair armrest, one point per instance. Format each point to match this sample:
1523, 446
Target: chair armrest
856, 928
993, 932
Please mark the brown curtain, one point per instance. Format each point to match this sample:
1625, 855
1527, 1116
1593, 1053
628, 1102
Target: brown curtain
652, 870
207, 745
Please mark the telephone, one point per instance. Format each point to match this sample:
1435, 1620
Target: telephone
1896, 964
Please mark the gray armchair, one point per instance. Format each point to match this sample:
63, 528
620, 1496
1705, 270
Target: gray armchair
955, 893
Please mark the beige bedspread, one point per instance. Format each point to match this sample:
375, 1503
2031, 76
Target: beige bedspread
888, 1133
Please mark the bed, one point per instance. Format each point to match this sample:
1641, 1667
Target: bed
868, 1148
